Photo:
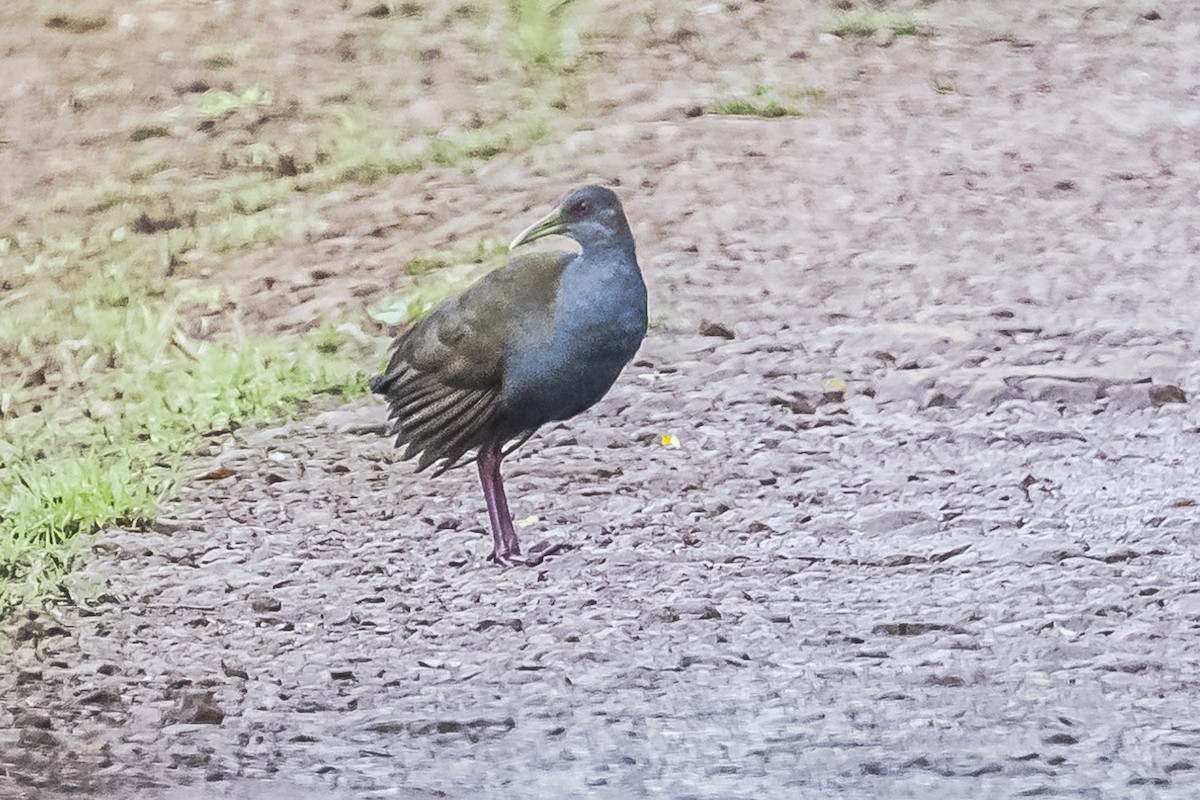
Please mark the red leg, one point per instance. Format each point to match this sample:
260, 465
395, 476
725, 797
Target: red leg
504, 538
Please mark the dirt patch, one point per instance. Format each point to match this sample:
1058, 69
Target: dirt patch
929, 530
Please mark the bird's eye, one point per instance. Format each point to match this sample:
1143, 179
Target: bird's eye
581, 207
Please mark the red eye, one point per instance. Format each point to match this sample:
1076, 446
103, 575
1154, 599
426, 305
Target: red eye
581, 207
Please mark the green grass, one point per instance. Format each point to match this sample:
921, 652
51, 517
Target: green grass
67, 469
770, 102
112, 452
76, 24
539, 35
109, 384
218, 102
945, 82
216, 56
519, 133
770, 109
144, 132
862, 23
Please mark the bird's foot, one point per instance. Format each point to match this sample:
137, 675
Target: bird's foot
539, 553
506, 559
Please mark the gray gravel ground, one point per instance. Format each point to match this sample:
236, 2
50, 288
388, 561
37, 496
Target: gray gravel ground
967, 572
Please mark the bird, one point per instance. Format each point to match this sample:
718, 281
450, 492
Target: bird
538, 340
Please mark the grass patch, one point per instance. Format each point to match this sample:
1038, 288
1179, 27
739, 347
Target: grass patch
945, 82
142, 133
539, 35
411, 8
488, 251
219, 57
863, 23
68, 471
113, 371
770, 102
372, 169
770, 109
482, 145
72, 23
218, 102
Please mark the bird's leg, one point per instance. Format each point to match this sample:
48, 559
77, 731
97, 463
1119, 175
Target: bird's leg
511, 546
504, 538
489, 469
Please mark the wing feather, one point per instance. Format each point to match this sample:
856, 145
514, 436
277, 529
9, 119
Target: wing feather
445, 380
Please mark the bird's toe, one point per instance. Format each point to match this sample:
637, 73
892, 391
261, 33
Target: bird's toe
506, 559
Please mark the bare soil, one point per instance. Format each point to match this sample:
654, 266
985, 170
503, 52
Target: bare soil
930, 529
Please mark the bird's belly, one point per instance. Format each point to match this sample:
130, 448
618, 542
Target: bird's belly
566, 376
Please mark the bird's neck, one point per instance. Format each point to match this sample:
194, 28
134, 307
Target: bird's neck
605, 274
618, 242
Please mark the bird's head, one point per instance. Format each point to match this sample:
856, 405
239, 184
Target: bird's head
589, 215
